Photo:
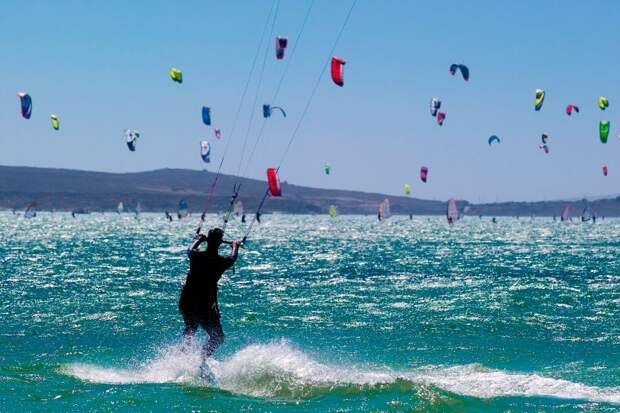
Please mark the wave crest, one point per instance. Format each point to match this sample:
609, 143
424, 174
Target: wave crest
278, 370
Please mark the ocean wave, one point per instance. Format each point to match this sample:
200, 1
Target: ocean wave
279, 370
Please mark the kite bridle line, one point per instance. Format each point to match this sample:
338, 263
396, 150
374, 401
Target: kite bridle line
236, 118
303, 115
237, 186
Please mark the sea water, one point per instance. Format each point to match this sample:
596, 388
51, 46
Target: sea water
320, 315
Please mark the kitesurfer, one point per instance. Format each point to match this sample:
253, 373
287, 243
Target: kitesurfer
168, 216
198, 302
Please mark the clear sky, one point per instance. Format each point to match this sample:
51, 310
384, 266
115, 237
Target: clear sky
102, 66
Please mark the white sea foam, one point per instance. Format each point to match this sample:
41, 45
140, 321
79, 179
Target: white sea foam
278, 369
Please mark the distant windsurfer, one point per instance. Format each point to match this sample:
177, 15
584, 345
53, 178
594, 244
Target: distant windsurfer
198, 303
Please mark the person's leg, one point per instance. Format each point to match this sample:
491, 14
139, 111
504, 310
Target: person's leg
191, 325
213, 327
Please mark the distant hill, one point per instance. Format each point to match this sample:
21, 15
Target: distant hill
161, 190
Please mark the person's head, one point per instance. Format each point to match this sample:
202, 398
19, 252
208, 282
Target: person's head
215, 237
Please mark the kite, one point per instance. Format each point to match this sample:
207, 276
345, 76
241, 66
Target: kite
132, 138
205, 151
55, 122
603, 130
435, 105
176, 75
493, 138
571, 108
274, 182
464, 70
281, 44
206, 115
26, 104
539, 99
423, 173
268, 110
337, 70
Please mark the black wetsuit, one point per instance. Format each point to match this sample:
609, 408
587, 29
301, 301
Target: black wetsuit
198, 303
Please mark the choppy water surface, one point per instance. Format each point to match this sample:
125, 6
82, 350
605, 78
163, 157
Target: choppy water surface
321, 314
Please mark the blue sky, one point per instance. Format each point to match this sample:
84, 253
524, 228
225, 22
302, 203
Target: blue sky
103, 67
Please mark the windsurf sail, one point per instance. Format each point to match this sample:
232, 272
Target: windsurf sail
586, 214
120, 207
565, 215
238, 208
384, 210
452, 213
333, 211
183, 209
138, 209
30, 211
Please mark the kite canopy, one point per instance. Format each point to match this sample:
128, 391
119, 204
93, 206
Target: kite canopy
337, 70
407, 189
544, 148
603, 130
539, 99
440, 118
423, 174
176, 75
205, 151
26, 104
544, 138
603, 103
464, 70
435, 105
493, 138
274, 182
333, 211
328, 169
605, 170
268, 110
132, 138
570, 108
218, 133
281, 44
206, 115
55, 122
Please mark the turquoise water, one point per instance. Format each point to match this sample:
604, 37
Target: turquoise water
339, 315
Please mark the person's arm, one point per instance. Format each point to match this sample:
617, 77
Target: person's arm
234, 250
198, 239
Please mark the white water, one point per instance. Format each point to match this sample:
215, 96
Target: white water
277, 369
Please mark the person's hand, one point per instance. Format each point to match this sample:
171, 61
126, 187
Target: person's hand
235, 244
201, 236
